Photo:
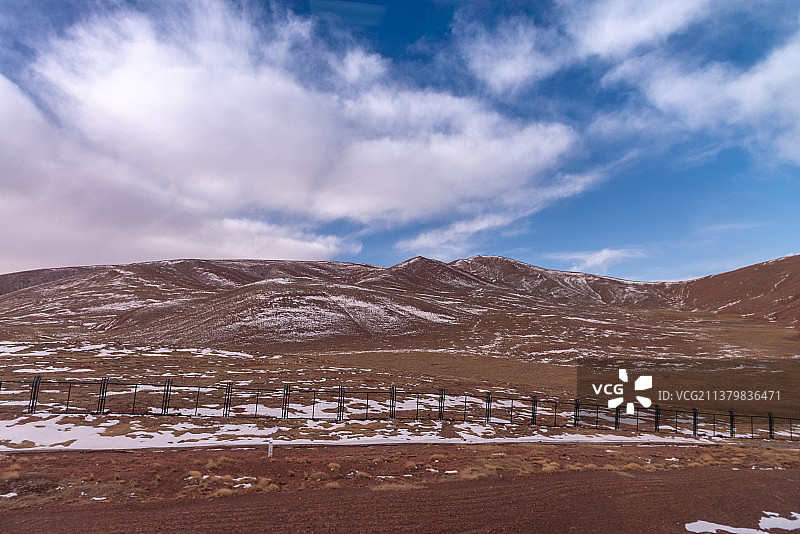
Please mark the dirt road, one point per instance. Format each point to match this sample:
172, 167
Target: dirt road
618, 497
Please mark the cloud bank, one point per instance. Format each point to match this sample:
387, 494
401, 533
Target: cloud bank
199, 134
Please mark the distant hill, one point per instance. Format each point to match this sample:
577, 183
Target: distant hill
464, 304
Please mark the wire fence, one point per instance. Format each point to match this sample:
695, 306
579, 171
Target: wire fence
337, 403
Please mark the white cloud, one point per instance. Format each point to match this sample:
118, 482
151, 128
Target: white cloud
597, 261
615, 28
68, 205
516, 53
454, 240
758, 106
729, 227
191, 135
462, 237
219, 129
358, 66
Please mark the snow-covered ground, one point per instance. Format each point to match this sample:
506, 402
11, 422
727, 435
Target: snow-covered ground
59, 432
766, 524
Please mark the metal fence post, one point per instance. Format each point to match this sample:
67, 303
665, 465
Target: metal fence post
488, 406
616, 418
169, 394
555, 413
133, 404
34, 393
165, 398
694, 421
69, 396
101, 399
733, 423
771, 426
465, 409
340, 410
226, 403
441, 404
285, 406
392, 403
533, 409
576, 413
197, 400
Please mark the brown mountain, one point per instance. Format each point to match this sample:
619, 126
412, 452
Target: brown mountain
483, 304
769, 290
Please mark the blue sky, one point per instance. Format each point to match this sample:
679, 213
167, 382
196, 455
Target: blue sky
650, 140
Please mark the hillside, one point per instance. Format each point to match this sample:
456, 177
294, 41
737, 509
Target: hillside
769, 290
483, 304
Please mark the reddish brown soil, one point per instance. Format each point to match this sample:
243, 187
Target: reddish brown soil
519, 488
563, 502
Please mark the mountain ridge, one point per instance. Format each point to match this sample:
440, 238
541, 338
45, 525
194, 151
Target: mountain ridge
313, 303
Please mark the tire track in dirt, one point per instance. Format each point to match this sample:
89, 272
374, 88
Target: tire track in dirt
588, 501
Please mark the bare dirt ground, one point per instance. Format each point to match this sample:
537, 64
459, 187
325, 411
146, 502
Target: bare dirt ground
410, 488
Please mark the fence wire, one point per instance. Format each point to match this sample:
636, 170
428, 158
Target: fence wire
337, 403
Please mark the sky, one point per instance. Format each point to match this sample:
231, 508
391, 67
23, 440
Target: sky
646, 140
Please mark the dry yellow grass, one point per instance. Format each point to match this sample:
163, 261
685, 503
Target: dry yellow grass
782, 457
550, 467
11, 473
473, 473
194, 476
218, 462
118, 429
265, 484
704, 460
24, 444
514, 465
318, 475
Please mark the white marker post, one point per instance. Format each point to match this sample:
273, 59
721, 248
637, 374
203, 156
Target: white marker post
269, 450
